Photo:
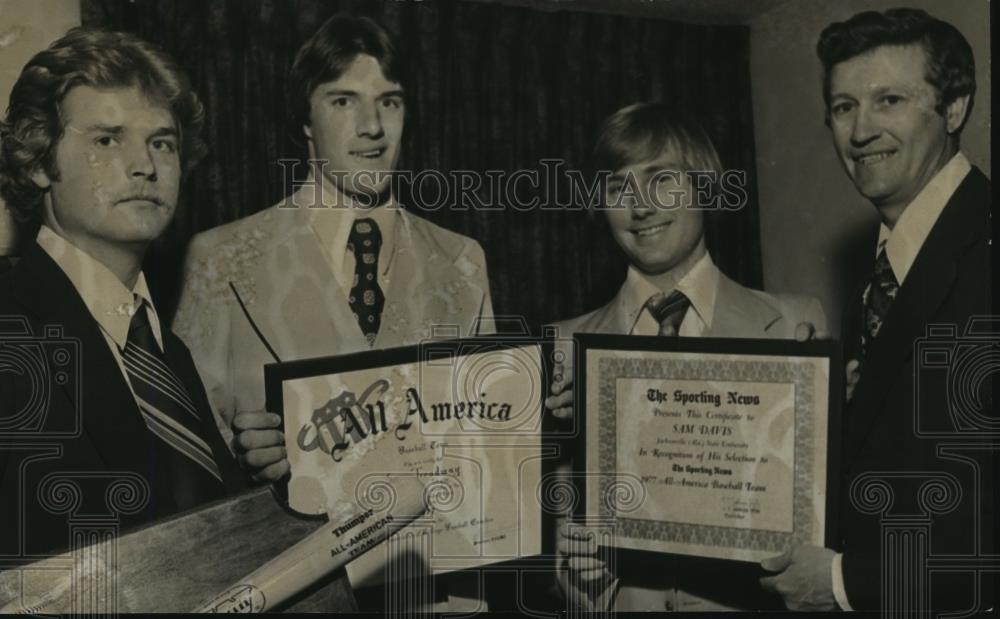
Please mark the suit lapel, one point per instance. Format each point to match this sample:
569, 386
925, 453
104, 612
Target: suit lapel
922, 293
405, 272
110, 418
611, 318
179, 360
615, 316
739, 313
340, 329
419, 295
298, 304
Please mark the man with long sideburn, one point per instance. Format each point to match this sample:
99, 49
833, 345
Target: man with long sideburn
100, 130
336, 267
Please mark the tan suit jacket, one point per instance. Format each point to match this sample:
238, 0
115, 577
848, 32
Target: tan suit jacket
681, 584
436, 286
739, 312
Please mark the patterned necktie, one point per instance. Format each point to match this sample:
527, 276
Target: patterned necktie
878, 297
366, 297
668, 311
170, 415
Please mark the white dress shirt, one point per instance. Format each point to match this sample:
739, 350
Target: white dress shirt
902, 243
904, 240
332, 222
699, 285
111, 304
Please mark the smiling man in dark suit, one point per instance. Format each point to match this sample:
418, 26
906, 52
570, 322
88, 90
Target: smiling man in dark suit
898, 88
100, 128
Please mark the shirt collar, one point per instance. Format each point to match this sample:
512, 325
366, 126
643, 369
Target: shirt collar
109, 301
904, 240
699, 285
332, 224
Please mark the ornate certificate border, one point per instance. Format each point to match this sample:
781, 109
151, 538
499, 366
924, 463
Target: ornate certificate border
527, 442
800, 373
630, 357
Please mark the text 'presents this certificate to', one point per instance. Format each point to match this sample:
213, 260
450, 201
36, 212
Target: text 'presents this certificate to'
462, 416
715, 447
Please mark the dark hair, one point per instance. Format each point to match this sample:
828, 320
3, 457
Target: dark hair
643, 131
330, 51
90, 57
951, 68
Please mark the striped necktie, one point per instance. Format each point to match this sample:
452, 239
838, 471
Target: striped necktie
170, 414
669, 311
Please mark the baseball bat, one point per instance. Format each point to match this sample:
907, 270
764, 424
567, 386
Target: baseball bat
329, 548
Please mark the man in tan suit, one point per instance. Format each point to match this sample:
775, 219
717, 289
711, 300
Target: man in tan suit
656, 213
337, 267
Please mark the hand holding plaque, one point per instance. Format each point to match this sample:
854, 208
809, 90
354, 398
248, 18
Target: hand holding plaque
260, 445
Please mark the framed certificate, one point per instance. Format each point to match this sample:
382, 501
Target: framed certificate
710, 447
463, 416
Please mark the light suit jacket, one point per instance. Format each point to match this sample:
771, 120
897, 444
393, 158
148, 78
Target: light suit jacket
739, 312
687, 583
436, 286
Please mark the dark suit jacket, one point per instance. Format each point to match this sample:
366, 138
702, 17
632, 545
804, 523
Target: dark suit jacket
904, 412
66, 412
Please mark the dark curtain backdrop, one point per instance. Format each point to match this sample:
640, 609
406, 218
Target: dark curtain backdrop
494, 88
